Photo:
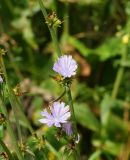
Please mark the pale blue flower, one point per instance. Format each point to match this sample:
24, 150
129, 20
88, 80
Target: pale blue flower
67, 127
59, 115
66, 66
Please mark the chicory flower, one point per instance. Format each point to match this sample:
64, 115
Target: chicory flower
66, 66
59, 115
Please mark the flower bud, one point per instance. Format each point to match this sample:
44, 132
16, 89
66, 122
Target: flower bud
53, 21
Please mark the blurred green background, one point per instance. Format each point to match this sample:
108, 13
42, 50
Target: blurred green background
97, 34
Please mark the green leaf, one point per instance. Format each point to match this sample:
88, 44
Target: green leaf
113, 148
108, 146
95, 155
70, 155
85, 117
117, 128
113, 125
23, 24
125, 63
79, 46
105, 109
110, 48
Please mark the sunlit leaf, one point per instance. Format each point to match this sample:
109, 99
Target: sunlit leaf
85, 117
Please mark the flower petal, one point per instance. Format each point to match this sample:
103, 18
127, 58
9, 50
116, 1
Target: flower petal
66, 66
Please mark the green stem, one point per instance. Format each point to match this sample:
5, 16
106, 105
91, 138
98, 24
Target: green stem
14, 105
65, 33
52, 31
6, 150
66, 20
117, 83
10, 130
24, 118
45, 157
70, 101
59, 97
53, 150
12, 101
119, 77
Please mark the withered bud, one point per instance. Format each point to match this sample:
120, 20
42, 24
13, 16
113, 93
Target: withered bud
53, 21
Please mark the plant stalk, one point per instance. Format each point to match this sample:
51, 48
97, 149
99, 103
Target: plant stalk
10, 130
70, 102
12, 101
6, 150
59, 97
52, 31
119, 76
66, 20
